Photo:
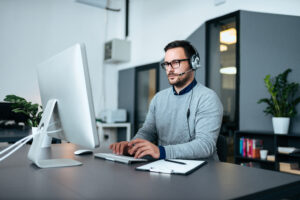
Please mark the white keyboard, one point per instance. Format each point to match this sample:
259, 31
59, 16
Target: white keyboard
119, 158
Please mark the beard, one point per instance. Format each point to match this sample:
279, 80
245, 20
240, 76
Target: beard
179, 81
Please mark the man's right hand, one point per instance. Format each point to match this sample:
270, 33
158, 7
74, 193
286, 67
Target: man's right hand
120, 148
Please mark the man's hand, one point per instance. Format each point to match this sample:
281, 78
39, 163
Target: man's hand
120, 148
140, 148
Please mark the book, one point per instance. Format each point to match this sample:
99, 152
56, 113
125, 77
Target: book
250, 143
250, 147
245, 147
241, 146
173, 166
256, 147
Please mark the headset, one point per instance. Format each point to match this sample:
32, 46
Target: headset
195, 59
194, 64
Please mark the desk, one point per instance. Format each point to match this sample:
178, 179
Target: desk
101, 179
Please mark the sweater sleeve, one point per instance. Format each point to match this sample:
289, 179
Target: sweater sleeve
207, 125
148, 131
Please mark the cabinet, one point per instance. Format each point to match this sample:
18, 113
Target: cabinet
271, 142
107, 132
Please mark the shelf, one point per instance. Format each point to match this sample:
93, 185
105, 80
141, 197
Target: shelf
289, 155
293, 135
255, 133
271, 142
254, 159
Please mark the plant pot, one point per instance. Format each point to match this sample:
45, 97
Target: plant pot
281, 125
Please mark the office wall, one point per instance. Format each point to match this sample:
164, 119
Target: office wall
34, 30
126, 98
269, 45
155, 23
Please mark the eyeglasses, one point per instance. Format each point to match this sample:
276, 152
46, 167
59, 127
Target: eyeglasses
174, 63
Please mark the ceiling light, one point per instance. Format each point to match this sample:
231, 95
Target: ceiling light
228, 36
223, 47
228, 70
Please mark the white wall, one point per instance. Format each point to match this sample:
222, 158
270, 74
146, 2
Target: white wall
33, 30
155, 23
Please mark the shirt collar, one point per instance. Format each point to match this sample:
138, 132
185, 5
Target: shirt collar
186, 89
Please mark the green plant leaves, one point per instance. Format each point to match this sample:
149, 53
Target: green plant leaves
282, 102
20, 105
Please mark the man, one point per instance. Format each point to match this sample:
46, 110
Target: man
184, 120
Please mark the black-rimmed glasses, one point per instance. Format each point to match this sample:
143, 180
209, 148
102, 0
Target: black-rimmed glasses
174, 63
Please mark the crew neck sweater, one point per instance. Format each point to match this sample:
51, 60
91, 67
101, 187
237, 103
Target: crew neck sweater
187, 137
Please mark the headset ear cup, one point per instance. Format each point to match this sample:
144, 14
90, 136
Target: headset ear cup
195, 62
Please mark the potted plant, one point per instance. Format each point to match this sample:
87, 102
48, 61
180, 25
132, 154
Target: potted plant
20, 105
282, 103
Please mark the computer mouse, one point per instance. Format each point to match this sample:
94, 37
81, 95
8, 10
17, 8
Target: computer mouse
83, 152
148, 157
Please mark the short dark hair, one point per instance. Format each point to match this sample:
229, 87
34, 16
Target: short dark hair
188, 48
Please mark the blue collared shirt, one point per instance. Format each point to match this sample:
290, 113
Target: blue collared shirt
186, 89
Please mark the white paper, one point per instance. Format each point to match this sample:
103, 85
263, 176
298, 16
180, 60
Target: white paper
170, 167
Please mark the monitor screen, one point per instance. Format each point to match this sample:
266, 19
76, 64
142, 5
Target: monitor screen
67, 100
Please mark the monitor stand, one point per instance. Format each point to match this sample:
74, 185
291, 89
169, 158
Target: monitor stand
43, 135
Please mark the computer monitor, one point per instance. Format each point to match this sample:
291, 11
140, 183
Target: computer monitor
68, 105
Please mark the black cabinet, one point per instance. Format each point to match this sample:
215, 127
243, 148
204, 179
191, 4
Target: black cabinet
270, 142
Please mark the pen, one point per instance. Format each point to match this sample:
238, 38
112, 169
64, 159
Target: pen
173, 161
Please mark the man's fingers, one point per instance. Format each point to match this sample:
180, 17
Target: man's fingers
122, 148
144, 153
112, 145
136, 147
140, 150
121, 144
135, 141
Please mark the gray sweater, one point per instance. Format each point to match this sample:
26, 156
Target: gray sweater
166, 123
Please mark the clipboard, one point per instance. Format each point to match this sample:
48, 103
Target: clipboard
173, 166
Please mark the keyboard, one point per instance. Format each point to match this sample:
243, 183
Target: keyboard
119, 158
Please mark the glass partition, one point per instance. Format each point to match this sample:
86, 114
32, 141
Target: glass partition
146, 88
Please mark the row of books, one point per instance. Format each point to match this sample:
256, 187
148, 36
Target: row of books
250, 147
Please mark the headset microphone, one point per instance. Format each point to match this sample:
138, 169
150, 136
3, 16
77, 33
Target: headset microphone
181, 74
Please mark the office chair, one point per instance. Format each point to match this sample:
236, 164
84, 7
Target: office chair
222, 148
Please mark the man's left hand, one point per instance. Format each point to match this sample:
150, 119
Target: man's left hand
141, 148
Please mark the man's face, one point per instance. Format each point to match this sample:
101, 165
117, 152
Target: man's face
172, 73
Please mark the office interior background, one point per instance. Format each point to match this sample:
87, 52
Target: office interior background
32, 31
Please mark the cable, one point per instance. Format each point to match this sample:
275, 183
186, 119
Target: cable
53, 123
188, 115
20, 143
18, 147
55, 131
11, 146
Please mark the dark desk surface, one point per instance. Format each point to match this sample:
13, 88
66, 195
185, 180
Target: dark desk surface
100, 179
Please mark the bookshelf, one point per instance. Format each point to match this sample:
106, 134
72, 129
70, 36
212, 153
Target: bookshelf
270, 142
